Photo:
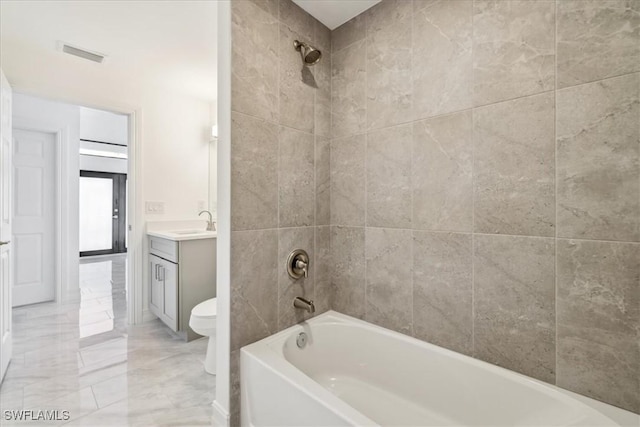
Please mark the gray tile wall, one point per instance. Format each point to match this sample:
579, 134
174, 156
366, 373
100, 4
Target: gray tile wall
485, 183
280, 175
463, 171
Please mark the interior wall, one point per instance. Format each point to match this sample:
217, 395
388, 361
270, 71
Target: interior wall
494, 145
103, 164
279, 171
103, 126
39, 114
107, 128
175, 126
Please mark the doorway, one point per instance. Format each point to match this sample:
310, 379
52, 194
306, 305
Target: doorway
103, 213
55, 146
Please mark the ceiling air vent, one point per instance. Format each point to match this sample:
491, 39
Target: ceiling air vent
82, 53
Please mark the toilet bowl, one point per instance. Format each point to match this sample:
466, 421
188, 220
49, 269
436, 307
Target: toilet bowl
203, 322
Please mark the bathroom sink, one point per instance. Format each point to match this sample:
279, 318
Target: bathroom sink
183, 232
180, 235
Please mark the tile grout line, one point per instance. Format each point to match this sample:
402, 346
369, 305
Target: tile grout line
95, 399
315, 176
555, 144
473, 191
625, 242
278, 170
350, 135
411, 174
617, 76
366, 152
445, 114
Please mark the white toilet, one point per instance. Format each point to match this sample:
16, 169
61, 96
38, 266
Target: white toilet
203, 322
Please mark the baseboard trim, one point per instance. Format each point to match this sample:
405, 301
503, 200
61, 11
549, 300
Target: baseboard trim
219, 417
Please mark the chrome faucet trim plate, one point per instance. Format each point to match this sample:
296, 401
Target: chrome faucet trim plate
298, 264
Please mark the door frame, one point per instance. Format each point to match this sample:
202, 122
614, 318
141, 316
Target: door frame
61, 150
115, 243
136, 259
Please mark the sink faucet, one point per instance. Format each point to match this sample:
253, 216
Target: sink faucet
211, 225
304, 304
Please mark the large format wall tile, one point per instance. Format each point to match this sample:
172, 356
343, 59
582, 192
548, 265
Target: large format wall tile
514, 167
597, 39
442, 173
322, 76
322, 40
442, 68
297, 192
254, 298
348, 90
348, 33
514, 303
297, 84
323, 181
598, 160
443, 290
322, 269
290, 239
269, 6
294, 17
234, 386
389, 87
254, 173
254, 61
348, 180
389, 177
389, 279
513, 49
599, 320
281, 121
348, 270
486, 165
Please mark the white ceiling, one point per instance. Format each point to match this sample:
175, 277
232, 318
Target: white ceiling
168, 43
334, 13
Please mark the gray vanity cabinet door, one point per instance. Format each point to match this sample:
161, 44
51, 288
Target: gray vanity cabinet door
156, 294
169, 275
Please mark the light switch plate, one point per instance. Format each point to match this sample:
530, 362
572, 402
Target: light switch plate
154, 208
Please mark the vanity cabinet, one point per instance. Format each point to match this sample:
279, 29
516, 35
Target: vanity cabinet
182, 274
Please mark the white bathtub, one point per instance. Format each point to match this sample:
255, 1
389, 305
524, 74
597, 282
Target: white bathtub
352, 373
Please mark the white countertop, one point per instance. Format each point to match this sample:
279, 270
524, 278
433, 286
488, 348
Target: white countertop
181, 235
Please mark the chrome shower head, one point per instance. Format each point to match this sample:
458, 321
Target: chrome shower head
310, 55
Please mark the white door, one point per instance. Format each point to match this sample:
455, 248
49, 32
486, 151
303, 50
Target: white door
34, 216
5, 224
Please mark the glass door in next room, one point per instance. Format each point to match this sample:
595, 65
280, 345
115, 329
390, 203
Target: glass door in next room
103, 212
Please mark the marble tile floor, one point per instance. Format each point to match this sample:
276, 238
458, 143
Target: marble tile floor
83, 358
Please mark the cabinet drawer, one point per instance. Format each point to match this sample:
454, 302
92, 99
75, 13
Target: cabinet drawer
164, 248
